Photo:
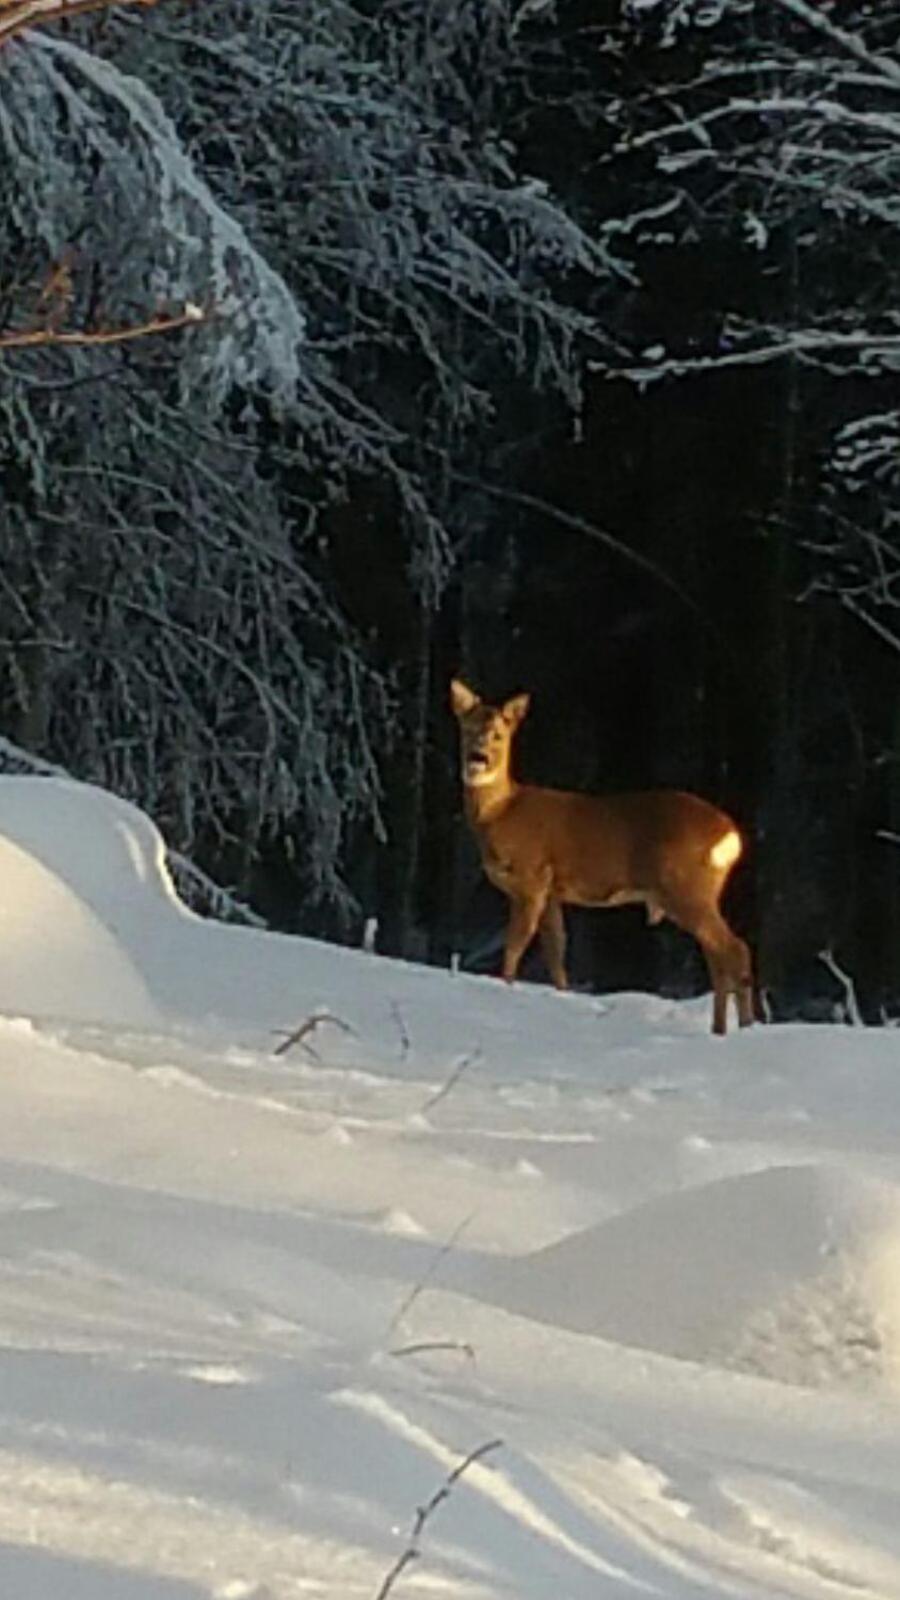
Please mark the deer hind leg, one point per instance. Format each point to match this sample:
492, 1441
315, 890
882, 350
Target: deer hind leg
742, 968
730, 970
524, 918
721, 991
727, 958
552, 934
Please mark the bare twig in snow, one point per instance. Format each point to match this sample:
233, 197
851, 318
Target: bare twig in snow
425, 1345
412, 1551
397, 1015
309, 1025
429, 1273
459, 1068
851, 1004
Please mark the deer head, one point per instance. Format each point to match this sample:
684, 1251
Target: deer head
486, 734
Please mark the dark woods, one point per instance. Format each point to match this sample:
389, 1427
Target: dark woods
694, 576
599, 401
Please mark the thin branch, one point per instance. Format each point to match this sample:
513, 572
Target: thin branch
425, 1346
851, 1004
32, 338
299, 1034
405, 1041
885, 634
460, 1067
412, 1551
17, 15
790, 344
435, 1262
581, 525
815, 17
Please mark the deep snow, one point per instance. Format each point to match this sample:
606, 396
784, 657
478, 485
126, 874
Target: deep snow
254, 1308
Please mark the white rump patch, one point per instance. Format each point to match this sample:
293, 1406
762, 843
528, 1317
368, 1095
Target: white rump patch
726, 852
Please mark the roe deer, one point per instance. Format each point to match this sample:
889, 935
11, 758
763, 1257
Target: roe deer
546, 848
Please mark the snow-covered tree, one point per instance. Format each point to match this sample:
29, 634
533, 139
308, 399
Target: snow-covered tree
317, 206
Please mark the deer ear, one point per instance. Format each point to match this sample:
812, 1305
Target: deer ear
462, 698
516, 709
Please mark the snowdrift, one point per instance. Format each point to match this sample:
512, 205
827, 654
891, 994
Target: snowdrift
92, 926
792, 1273
111, 940
57, 954
257, 1308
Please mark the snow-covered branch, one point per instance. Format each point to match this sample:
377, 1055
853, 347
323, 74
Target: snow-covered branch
380, 279
872, 349
816, 18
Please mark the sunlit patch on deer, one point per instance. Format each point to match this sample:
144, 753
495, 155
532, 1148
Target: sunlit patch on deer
727, 851
664, 849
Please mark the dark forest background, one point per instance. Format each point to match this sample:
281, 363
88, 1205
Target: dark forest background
592, 392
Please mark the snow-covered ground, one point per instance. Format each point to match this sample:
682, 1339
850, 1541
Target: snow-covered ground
255, 1307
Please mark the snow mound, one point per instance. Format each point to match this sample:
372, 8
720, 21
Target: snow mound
56, 954
104, 848
113, 929
792, 1273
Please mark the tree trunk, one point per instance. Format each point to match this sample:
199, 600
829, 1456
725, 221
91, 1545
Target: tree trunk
399, 931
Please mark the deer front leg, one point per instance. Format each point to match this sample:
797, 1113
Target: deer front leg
524, 916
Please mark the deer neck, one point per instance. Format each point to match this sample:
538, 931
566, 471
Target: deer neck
486, 802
